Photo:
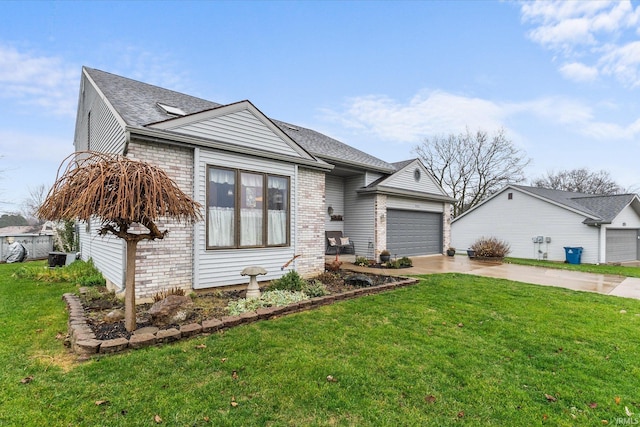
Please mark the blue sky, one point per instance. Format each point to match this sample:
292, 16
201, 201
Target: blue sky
562, 78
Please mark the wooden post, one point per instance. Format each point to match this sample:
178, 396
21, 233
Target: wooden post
130, 287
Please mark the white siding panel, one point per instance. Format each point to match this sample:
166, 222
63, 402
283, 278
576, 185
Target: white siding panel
627, 218
359, 215
404, 179
240, 128
104, 133
335, 198
516, 221
222, 267
107, 253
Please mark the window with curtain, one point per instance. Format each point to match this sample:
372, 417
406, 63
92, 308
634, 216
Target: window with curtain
251, 211
246, 209
221, 205
278, 210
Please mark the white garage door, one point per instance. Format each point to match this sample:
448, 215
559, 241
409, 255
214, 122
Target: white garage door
622, 245
413, 233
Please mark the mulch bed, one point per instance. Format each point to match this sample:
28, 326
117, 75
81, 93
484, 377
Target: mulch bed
206, 306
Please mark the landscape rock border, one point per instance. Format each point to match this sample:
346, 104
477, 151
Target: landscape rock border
85, 345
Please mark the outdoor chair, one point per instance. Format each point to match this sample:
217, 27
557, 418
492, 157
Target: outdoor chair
336, 244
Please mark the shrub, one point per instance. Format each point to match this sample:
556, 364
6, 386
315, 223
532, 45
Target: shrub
78, 272
403, 262
385, 252
315, 289
490, 247
289, 282
275, 298
362, 261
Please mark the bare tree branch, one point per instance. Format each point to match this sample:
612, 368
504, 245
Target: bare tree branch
471, 167
580, 181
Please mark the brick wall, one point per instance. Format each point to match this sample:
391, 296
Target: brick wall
166, 263
446, 227
380, 209
310, 222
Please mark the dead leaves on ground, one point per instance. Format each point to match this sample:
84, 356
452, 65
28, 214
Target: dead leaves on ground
26, 380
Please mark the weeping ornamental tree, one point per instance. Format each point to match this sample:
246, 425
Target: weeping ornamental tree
119, 193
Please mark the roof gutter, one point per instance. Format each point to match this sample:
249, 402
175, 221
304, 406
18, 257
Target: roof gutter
596, 222
170, 138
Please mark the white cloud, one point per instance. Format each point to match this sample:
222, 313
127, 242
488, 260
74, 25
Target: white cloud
579, 72
601, 33
439, 112
43, 81
425, 114
623, 63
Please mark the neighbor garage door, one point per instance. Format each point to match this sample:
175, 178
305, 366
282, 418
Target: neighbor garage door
622, 245
413, 233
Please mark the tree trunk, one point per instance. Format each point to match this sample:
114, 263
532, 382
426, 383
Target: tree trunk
130, 287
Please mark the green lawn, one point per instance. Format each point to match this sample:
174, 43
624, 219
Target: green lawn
618, 270
452, 350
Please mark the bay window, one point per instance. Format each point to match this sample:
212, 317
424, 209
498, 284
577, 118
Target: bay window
246, 209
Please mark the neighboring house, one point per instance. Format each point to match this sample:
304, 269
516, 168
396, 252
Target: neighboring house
539, 223
269, 189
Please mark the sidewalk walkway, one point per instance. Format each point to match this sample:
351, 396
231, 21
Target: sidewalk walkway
600, 283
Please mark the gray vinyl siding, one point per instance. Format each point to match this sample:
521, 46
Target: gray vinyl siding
370, 177
221, 267
516, 221
107, 252
404, 179
106, 132
334, 191
240, 128
359, 215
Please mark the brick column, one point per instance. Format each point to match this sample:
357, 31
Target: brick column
446, 227
310, 200
380, 221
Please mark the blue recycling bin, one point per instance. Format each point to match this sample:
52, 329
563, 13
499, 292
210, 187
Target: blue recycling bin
572, 255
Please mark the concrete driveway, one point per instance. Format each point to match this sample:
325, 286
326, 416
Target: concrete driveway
600, 283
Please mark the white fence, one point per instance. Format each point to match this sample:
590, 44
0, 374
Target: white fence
38, 246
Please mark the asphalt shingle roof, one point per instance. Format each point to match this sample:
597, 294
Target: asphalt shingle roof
137, 104
327, 148
599, 208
